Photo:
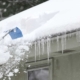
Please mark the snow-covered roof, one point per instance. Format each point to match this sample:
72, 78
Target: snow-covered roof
37, 16
49, 18
62, 22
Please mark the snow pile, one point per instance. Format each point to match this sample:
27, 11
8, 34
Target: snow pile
62, 22
37, 16
45, 19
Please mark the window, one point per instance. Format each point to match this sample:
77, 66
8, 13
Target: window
39, 74
40, 70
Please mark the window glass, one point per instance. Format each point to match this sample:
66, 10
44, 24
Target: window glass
40, 74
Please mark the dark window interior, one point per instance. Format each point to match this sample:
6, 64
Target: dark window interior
39, 74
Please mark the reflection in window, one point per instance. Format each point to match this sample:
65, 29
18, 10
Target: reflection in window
40, 74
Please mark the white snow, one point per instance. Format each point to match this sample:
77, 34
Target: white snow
4, 54
49, 18
4, 57
1, 75
62, 22
10, 74
29, 65
35, 17
49, 15
16, 70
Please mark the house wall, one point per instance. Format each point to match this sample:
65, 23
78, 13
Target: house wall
67, 67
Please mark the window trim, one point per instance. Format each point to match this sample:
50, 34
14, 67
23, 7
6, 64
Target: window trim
40, 64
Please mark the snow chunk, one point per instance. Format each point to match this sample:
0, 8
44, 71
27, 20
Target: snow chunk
4, 54
1, 74
16, 70
10, 74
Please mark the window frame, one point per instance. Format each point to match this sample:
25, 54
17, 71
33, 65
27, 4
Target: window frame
40, 64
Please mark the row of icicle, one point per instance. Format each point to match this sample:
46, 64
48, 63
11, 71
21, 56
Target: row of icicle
40, 44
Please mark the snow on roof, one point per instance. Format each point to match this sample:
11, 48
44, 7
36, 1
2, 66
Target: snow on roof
62, 22
35, 17
49, 18
45, 19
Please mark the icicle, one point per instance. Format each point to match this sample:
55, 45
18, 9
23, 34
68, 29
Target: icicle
57, 43
64, 38
35, 51
70, 34
77, 36
62, 44
39, 48
48, 48
42, 43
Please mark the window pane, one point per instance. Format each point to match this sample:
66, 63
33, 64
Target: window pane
40, 74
